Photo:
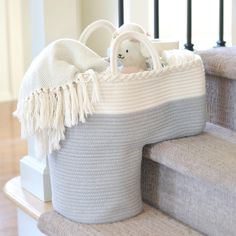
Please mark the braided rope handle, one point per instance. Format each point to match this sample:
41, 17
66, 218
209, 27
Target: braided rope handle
95, 26
127, 27
141, 38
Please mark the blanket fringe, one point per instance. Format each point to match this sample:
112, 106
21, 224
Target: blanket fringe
49, 111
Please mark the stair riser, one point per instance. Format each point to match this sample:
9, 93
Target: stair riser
221, 101
199, 205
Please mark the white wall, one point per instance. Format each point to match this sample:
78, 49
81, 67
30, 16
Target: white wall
51, 20
15, 41
4, 68
27, 34
26, 27
93, 10
140, 12
60, 19
11, 59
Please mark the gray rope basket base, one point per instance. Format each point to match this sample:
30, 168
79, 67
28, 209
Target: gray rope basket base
95, 176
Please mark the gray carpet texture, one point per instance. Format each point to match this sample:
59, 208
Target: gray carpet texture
220, 61
220, 69
221, 101
150, 222
194, 180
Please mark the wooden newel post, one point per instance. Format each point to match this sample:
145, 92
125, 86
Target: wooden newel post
156, 19
189, 44
121, 12
221, 42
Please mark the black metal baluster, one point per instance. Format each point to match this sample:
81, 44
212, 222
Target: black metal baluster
120, 12
221, 42
156, 19
189, 44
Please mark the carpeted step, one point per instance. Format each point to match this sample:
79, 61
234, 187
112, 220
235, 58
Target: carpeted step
194, 180
220, 68
151, 222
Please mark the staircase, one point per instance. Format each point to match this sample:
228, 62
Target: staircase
190, 182
194, 179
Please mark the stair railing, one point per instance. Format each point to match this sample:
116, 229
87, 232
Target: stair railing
189, 45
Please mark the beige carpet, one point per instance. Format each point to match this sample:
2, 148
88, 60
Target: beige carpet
149, 223
220, 61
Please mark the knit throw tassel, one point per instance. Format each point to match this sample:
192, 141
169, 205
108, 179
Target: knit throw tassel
56, 135
58, 113
52, 108
44, 109
46, 112
87, 105
80, 97
67, 106
74, 105
29, 115
36, 112
96, 92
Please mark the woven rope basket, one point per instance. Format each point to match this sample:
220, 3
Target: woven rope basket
96, 174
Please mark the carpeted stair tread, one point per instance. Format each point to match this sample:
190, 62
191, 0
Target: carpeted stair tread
220, 61
149, 223
208, 157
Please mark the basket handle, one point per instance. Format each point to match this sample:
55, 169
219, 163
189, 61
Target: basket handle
141, 38
95, 26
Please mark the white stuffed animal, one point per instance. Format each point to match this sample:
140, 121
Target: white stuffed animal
131, 55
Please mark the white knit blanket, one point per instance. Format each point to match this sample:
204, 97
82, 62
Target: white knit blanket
53, 93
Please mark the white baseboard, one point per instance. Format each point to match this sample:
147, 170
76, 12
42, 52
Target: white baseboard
35, 177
